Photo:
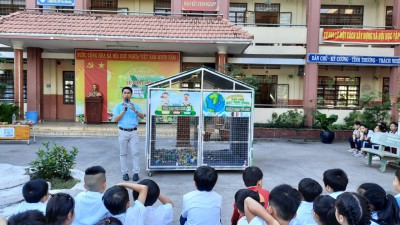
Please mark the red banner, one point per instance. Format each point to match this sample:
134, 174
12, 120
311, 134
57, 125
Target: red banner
361, 36
127, 56
200, 5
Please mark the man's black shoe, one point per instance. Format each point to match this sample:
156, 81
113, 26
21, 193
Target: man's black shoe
125, 177
135, 177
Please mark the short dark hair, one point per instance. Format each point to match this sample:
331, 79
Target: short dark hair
397, 174
29, 217
353, 207
109, 221
153, 192
324, 207
309, 189
357, 123
58, 207
115, 199
336, 179
129, 88
34, 190
251, 175
205, 177
95, 176
242, 194
286, 200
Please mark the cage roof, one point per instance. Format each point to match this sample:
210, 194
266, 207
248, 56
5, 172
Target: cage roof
217, 79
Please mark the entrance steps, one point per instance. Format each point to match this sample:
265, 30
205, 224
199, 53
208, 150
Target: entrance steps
12, 178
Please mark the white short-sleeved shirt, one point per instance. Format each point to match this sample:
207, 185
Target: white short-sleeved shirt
202, 208
304, 215
25, 206
135, 214
160, 215
255, 221
374, 215
89, 208
335, 194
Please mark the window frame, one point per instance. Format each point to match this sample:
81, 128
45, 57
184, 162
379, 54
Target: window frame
160, 10
389, 17
336, 93
337, 19
236, 12
9, 81
71, 87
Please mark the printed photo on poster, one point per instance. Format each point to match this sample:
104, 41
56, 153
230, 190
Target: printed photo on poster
176, 103
227, 104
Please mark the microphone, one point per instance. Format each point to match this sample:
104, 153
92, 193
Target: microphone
126, 104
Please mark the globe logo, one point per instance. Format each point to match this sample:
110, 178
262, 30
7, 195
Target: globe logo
214, 103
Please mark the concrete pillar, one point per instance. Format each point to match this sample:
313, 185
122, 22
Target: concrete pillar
224, 8
176, 6
221, 59
30, 4
35, 80
394, 71
310, 83
19, 80
82, 5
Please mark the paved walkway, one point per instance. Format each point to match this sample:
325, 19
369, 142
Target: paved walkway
282, 161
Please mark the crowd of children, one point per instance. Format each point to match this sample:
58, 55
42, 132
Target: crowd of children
284, 205
361, 137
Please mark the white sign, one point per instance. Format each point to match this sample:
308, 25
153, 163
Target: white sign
8, 132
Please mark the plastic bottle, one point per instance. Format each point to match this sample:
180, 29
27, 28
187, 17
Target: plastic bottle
14, 119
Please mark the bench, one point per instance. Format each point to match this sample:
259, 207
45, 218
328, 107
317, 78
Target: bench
383, 140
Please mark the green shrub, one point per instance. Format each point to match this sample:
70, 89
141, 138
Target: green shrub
374, 112
323, 121
289, 119
54, 162
349, 120
7, 110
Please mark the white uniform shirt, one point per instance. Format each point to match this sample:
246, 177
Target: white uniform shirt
255, 221
335, 194
31, 206
202, 208
160, 215
304, 215
89, 208
135, 214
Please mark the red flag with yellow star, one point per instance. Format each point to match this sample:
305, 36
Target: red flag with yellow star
96, 73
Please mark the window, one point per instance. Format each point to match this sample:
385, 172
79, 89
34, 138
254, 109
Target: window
69, 87
10, 6
285, 18
342, 15
111, 5
338, 91
266, 91
389, 16
385, 89
267, 14
162, 7
237, 12
7, 78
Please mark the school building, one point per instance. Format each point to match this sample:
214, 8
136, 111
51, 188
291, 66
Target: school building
303, 53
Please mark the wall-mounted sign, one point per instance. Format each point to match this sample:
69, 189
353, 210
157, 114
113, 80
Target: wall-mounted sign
361, 36
353, 60
200, 5
55, 2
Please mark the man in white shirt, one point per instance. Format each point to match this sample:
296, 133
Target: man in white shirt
89, 207
36, 193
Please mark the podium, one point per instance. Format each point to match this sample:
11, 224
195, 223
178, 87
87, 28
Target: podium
93, 109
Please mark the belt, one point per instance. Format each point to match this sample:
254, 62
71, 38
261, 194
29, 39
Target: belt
127, 129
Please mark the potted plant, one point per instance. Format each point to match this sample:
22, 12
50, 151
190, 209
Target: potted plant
327, 135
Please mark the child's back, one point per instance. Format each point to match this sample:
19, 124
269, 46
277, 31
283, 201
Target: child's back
35, 193
202, 206
155, 215
89, 207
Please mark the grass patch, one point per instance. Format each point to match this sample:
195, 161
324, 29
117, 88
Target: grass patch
57, 183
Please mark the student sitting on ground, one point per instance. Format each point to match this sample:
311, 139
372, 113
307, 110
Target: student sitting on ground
383, 206
160, 215
89, 207
335, 182
29, 217
283, 204
252, 178
60, 209
109, 221
324, 210
116, 200
355, 136
36, 193
309, 190
352, 209
396, 185
252, 210
203, 206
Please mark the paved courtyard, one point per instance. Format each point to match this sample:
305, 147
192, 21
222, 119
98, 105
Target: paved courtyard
281, 160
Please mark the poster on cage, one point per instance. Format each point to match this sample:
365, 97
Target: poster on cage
175, 103
113, 70
227, 104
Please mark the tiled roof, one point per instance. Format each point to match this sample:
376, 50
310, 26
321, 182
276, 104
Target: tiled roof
129, 26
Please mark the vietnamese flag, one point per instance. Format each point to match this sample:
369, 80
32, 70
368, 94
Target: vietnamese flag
96, 73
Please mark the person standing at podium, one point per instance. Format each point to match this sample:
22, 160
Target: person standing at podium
127, 115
